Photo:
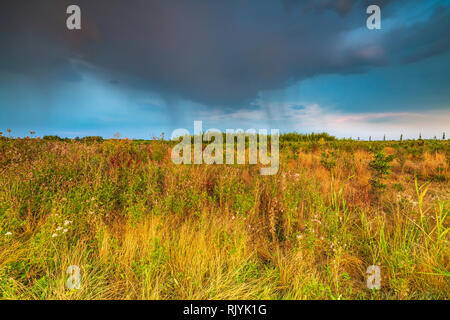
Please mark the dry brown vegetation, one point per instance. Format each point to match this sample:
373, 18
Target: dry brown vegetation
141, 227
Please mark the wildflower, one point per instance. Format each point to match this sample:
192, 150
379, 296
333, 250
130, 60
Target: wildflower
8, 234
232, 218
299, 236
321, 238
65, 230
59, 228
67, 222
54, 235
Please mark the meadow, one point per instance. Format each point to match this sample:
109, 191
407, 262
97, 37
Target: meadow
140, 227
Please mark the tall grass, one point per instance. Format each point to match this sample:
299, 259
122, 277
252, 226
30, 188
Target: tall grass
140, 227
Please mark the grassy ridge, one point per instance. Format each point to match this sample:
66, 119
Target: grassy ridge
140, 227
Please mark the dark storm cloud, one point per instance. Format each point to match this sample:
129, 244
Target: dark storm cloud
212, 52
342, 7
423, 40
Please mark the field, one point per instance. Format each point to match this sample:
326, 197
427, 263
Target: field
140, 227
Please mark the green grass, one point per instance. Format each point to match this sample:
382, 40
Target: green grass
140, 227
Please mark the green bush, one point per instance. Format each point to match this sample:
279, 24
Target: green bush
381, 167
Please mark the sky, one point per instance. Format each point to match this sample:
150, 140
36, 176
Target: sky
143, 67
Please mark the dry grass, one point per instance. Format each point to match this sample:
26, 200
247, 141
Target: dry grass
141, 227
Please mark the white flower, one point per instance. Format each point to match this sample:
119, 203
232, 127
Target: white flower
67, 222
65, 230
59, 228
8, 234
54, 235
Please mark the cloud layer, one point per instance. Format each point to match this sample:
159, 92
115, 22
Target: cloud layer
218, 53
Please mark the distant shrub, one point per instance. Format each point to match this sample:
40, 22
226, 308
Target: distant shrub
381, 167
159, 150
92, 139
52, 138
328, 160
311, 137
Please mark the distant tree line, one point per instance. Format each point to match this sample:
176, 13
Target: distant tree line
84, 139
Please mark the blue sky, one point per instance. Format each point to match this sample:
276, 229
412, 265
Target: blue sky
305, 66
